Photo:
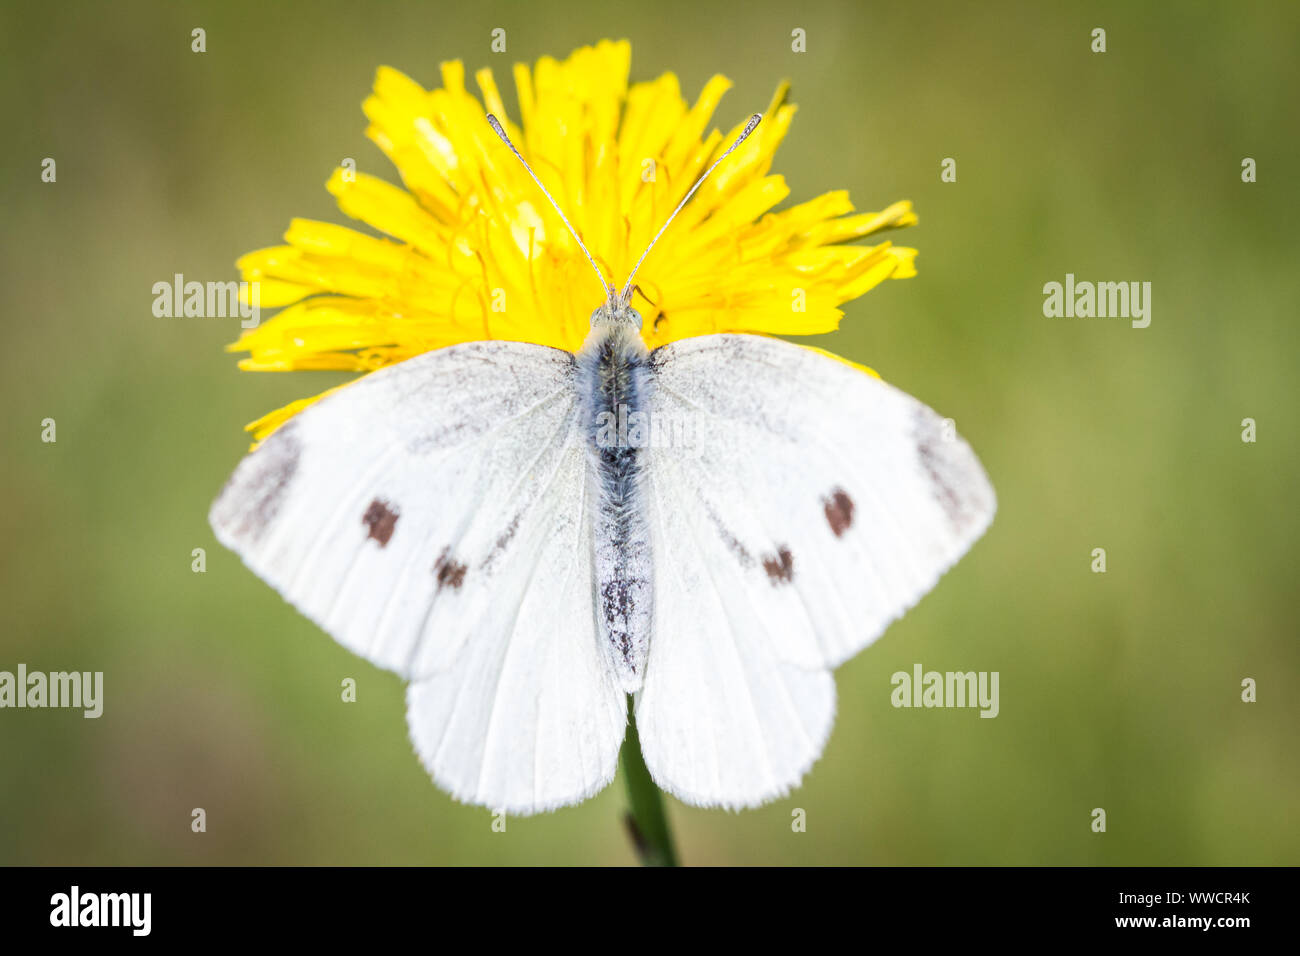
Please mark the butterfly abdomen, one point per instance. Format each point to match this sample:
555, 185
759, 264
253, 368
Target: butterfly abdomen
614, 378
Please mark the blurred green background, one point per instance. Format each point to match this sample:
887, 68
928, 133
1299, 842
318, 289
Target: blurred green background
1118, 690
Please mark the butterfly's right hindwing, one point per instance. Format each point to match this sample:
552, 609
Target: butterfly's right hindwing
434, 517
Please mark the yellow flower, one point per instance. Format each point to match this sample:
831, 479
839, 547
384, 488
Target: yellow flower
475, 251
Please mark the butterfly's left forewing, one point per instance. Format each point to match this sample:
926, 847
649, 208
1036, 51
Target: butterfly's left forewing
796, 507
434, 518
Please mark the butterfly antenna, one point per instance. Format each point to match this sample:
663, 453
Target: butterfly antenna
626, 295
605, 287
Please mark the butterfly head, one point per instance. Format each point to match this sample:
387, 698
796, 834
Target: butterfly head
616, 312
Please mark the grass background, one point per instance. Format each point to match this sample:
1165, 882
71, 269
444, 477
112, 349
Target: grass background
1118, 691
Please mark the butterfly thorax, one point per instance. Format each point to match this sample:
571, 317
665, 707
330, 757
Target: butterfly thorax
614, 381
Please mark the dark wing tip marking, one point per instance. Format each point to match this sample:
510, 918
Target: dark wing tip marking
253, 495
779, 566
380, 519
839, 511
944, 464
449, 572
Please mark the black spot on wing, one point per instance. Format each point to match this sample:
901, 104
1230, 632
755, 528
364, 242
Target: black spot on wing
779, 566
449, 572
839, 511
380, 519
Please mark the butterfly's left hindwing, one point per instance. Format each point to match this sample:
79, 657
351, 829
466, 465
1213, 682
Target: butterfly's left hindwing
797, 506
434, 517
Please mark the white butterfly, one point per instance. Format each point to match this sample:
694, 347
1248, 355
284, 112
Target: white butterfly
471, 520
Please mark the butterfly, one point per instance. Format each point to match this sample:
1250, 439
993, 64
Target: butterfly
529, 535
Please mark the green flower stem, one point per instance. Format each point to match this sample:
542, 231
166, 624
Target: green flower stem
646, 821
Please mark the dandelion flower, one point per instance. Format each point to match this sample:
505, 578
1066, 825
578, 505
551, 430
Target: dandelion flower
470, 250
547, 583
